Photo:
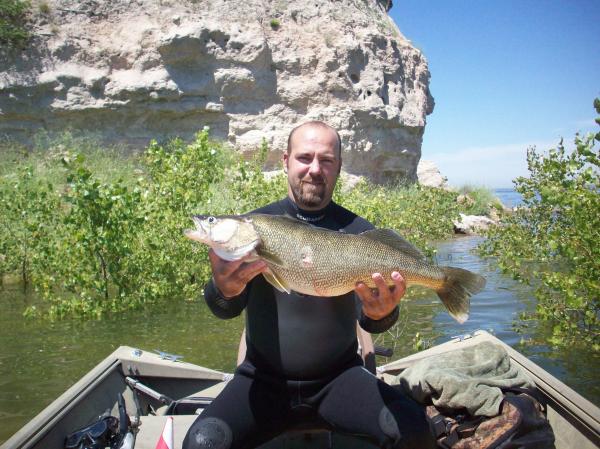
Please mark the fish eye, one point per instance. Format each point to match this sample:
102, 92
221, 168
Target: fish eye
212, 220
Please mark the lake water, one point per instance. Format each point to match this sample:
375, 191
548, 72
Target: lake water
509, 197
39, 360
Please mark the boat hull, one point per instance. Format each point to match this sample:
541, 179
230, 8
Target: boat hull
575, 421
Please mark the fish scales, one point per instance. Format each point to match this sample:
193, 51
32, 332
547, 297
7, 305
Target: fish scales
333, 262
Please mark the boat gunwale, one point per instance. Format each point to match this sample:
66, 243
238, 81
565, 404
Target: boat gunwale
125, 360
577, 410
569, 405
44, 421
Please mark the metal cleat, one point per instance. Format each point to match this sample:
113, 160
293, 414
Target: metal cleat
166, 356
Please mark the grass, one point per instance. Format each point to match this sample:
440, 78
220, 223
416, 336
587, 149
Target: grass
44, 8
108, 163
479, 200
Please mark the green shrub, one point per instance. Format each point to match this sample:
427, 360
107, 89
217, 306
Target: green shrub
97, 231
553, 241
479, 200
30, 211
421, 214
249, 188
13, 34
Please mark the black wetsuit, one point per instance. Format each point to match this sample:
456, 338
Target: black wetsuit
302, 364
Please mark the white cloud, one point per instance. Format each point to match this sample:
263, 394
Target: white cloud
583, 126
492, 166
587, 125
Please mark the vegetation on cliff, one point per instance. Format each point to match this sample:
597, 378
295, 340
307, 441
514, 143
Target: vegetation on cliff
553, 241
95, 232
13, 33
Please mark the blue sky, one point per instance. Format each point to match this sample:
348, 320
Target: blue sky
505, 75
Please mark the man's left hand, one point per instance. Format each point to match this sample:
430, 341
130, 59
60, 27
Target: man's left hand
380, 302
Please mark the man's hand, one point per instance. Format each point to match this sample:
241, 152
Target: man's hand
380, 302
231, 277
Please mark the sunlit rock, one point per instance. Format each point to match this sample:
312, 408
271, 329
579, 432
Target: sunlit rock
472, 224
428, 174
127, 74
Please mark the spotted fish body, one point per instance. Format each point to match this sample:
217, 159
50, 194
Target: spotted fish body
321, 262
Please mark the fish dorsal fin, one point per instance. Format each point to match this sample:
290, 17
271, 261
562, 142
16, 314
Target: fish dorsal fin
394, 240
276, 282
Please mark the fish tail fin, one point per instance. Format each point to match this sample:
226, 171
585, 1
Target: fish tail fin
457, 289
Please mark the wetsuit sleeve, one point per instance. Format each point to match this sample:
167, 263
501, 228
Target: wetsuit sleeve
378, 326
221, 307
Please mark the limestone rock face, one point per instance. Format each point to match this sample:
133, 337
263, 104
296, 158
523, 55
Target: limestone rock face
128, 71
428, 174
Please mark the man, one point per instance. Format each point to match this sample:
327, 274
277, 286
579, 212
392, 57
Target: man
302, 362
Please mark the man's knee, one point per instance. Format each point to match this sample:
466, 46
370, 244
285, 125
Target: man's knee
208, 433
389, 426
405, 428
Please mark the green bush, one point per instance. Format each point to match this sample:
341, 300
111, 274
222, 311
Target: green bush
421, 214
13, 34
95, 231
479, 200
552, 241
129, 239
30, 211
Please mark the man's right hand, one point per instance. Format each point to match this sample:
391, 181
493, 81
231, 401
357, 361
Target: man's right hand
231, 277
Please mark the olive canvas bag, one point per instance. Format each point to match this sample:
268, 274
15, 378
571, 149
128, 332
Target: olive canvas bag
521, 424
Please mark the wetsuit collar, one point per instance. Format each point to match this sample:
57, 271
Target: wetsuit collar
313, 216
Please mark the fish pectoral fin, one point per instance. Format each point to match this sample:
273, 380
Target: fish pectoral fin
276, 282
394, 240
271, 258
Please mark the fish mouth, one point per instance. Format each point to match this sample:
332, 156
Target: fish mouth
199, 234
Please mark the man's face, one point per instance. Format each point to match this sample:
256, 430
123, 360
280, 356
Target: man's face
312, 166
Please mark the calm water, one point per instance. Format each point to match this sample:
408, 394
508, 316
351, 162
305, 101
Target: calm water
40, 360
509, 197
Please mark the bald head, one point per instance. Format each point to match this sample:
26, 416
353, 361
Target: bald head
318, 125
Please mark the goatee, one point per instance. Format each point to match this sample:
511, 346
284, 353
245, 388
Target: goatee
310, 194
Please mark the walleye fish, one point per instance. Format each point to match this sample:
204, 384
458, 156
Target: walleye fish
321, 262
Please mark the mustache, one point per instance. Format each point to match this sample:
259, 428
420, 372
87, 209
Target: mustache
314, 180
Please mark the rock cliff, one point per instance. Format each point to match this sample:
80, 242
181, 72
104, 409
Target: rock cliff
128, 71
